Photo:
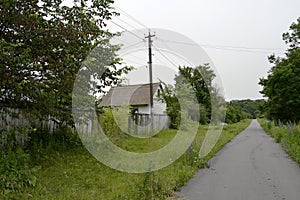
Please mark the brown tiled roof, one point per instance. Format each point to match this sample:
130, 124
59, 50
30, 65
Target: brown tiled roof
129, 95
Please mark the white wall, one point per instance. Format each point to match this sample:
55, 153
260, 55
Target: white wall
158, 108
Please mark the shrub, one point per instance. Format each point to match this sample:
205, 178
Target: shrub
114, 121
15, 172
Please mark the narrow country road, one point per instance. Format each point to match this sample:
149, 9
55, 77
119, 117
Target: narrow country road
250, 167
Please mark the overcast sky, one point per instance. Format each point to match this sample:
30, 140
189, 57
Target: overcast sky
237, 35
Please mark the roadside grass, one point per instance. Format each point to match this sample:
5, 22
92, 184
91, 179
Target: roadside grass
288, 136
76, 174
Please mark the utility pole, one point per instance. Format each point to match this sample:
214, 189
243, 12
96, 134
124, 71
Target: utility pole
149, 37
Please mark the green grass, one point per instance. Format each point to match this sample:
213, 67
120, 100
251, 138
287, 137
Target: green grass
78, 175
287, 135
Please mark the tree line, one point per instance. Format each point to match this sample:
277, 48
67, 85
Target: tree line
282, 85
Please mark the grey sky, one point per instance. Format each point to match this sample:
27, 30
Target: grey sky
218, 25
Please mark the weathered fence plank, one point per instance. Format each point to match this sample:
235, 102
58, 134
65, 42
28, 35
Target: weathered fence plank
138, 124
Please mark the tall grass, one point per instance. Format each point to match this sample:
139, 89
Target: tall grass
288, 135
75, 174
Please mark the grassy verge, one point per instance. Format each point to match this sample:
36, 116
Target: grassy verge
287, 135
77, 175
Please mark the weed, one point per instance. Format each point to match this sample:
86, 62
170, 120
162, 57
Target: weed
288, 135
15, 171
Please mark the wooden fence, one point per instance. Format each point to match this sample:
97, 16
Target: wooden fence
137, 124
13, 118
140, 123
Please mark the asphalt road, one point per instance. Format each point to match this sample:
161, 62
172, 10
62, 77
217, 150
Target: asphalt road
251, 167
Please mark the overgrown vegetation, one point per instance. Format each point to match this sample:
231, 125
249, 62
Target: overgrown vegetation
193, 86
193, 89
43, 45
282, 89
282, 84
288, 135
237, 110
250, 108
22, 151
75, 174
15, 171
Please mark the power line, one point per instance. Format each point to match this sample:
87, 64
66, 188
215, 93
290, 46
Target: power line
168, 49
126, 23
157, 58
132, 18
142, 59
177, 42
122, 42
133, 62
128, 30
133, 45
166, 57
242, 50
129, 25
128, 44
229, 48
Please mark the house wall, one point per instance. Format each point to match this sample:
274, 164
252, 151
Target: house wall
158, 108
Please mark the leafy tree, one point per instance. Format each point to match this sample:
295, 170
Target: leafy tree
173, 107
282, 85
200, 80
191, 82
233, 114
43, 45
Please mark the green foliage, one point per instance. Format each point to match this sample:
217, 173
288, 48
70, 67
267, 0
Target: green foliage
43, 45
287, 135
192, 96
251, 107
151, 187
237, 110
15, 172
173, 107
42, 142
233, 114
282, 84
200, 80
114, 121
38, 142
75, 174
9, 137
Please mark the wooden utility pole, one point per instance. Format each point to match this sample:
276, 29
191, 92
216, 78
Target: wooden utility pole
149, 37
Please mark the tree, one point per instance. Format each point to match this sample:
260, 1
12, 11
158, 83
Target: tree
282, 85
173, 107
193, 87
250, 107
233, 114
43, 45
200, 80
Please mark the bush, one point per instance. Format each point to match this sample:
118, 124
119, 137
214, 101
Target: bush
114, 121
15, 172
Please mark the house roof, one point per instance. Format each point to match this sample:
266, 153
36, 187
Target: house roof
129, 95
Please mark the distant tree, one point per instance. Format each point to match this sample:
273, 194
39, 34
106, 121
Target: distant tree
252, 108
43, 45
282, 85
234, 114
